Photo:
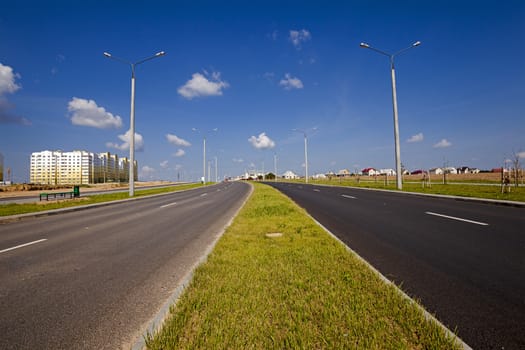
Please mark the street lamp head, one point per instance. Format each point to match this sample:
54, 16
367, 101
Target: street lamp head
161, 53
107, 54
417, 43
364, 45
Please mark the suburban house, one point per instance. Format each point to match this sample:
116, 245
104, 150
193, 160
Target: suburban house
290, 175
343, 173
370, 171
389, 172
450, 170
467, 170
436, 171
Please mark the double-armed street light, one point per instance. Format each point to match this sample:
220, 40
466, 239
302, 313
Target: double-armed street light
203, 153
132, 116
394, 104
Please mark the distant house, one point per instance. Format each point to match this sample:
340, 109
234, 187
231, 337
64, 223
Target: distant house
436, 171
290, 175
468, 170
417, 172
319, 176
370, 171
389, 172
343, 172
450, 170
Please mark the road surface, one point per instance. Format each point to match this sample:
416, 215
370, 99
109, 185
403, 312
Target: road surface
92, 279
465, 261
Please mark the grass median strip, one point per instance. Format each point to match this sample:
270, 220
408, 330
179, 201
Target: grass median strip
300, 289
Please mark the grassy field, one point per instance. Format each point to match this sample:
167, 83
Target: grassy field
464, 185
301, 290
15, 209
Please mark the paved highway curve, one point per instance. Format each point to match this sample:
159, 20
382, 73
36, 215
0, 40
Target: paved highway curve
465, 261
92, 279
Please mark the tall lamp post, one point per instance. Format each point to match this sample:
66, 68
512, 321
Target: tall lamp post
394, 104
203, 153
132, 116
305, 151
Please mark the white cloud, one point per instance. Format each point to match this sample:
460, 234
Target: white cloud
139, 142
146, 172
164, 164
199, 86
7, 80
87, 113
179, 153
443, 144
238, 160
416, 138
521, 154
299, 36
262, 141
290, 82
177, 141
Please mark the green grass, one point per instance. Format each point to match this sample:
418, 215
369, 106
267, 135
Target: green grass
15, 209
463, 190
303, 290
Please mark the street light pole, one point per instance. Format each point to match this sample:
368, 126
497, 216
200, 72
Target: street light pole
132, 116
216, 170
305, 151
203, 154
275, 166
399, 174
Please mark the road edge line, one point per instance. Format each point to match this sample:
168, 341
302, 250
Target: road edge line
428, 316
157, 322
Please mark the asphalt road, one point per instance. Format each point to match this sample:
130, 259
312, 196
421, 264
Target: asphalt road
92, 279
464, 261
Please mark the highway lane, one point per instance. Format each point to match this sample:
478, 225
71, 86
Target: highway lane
92, 279
465, 261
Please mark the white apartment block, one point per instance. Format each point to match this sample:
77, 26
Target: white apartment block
77, 168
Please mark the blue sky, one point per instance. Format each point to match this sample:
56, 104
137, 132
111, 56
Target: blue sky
256, 73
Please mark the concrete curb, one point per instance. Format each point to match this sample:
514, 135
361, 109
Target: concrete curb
428, 316
155, 324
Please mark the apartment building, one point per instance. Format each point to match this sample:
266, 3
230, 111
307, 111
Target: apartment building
77, 168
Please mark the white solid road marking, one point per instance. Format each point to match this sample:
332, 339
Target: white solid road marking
456, 218
204, 194
347, 196
316, 190
23, 245
168, 205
